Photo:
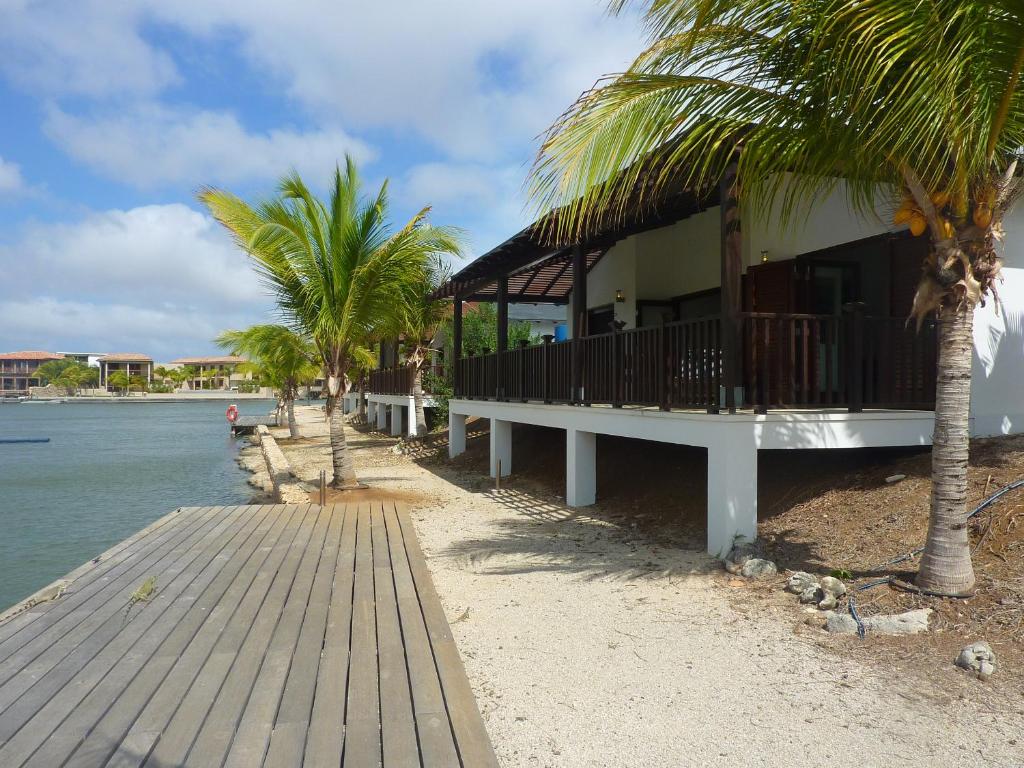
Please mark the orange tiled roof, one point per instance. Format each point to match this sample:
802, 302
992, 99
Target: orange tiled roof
30, 355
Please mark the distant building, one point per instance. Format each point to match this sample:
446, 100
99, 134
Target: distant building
132, 363
18, 369
218, 372
92, 359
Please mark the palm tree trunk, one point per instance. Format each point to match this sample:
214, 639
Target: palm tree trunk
946, 563
344, 468
417, 398
293, 427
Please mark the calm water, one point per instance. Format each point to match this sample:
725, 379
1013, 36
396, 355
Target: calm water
108, 470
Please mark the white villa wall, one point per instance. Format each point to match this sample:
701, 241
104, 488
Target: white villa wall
616, 271
830, 220
680, 259
997, 387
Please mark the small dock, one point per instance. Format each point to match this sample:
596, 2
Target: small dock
246, 425
276, 636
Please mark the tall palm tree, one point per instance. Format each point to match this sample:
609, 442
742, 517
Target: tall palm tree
917, 102
285, 359
336, 268
422, 322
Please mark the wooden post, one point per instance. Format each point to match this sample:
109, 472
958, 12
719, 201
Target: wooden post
545, 368
665, 368
854, 313
618, 368
456, 346
523, 344
502, 337
732, 269
579, 319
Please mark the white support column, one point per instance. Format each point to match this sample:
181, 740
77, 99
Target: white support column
396, 420
501, 447
371, 412
410, 413
382, 416
580, 468
732, 491
456, 434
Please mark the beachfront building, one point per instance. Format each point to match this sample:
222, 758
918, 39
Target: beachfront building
212, 372
18, 369
91, 359
806, 347
132, 363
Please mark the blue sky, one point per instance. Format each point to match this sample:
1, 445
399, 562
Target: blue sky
115, 111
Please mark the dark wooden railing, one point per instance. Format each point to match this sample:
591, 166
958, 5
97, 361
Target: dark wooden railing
391, 381
851, 360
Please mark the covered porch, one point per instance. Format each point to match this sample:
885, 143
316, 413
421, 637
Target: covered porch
687, 328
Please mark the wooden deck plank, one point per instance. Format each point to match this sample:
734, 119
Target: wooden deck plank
288, 736
119, 658
251, 736
398, 729
238, 643
64, 614
362, 713
326, 737
239, 607
279, 636
129, 685
475, 750
437, 742
87, 573
34, 669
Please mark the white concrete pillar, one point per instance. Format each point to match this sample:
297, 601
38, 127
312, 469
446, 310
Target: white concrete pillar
410, 412
371, 412
456, 434
382, 416
501, 447
396, 420
580, 468
732, 491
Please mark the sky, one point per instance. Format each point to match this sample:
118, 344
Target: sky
114, 112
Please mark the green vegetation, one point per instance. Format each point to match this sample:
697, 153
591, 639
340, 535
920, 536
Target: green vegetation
920, 104
69, 375
118, 380
281, 358
341, 276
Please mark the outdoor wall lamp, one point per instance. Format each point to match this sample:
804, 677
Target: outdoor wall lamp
619, 295
764, 257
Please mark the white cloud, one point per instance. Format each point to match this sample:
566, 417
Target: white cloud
490, 195
150, 145
88, 48
153, 277
467, 75
11, 181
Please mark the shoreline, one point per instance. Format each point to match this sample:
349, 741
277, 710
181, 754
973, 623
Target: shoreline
149, 398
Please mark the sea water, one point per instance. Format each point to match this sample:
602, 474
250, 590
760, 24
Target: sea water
109, 470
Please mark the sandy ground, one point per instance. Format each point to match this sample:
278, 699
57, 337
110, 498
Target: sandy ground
590, 642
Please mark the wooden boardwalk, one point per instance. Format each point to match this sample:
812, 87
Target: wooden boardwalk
277, 636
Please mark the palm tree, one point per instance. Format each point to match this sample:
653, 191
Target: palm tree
285, 360
905, 101
118, 380
423, 319
338, 271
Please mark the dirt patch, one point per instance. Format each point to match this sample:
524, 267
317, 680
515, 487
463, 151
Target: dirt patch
859, 522
372, 493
